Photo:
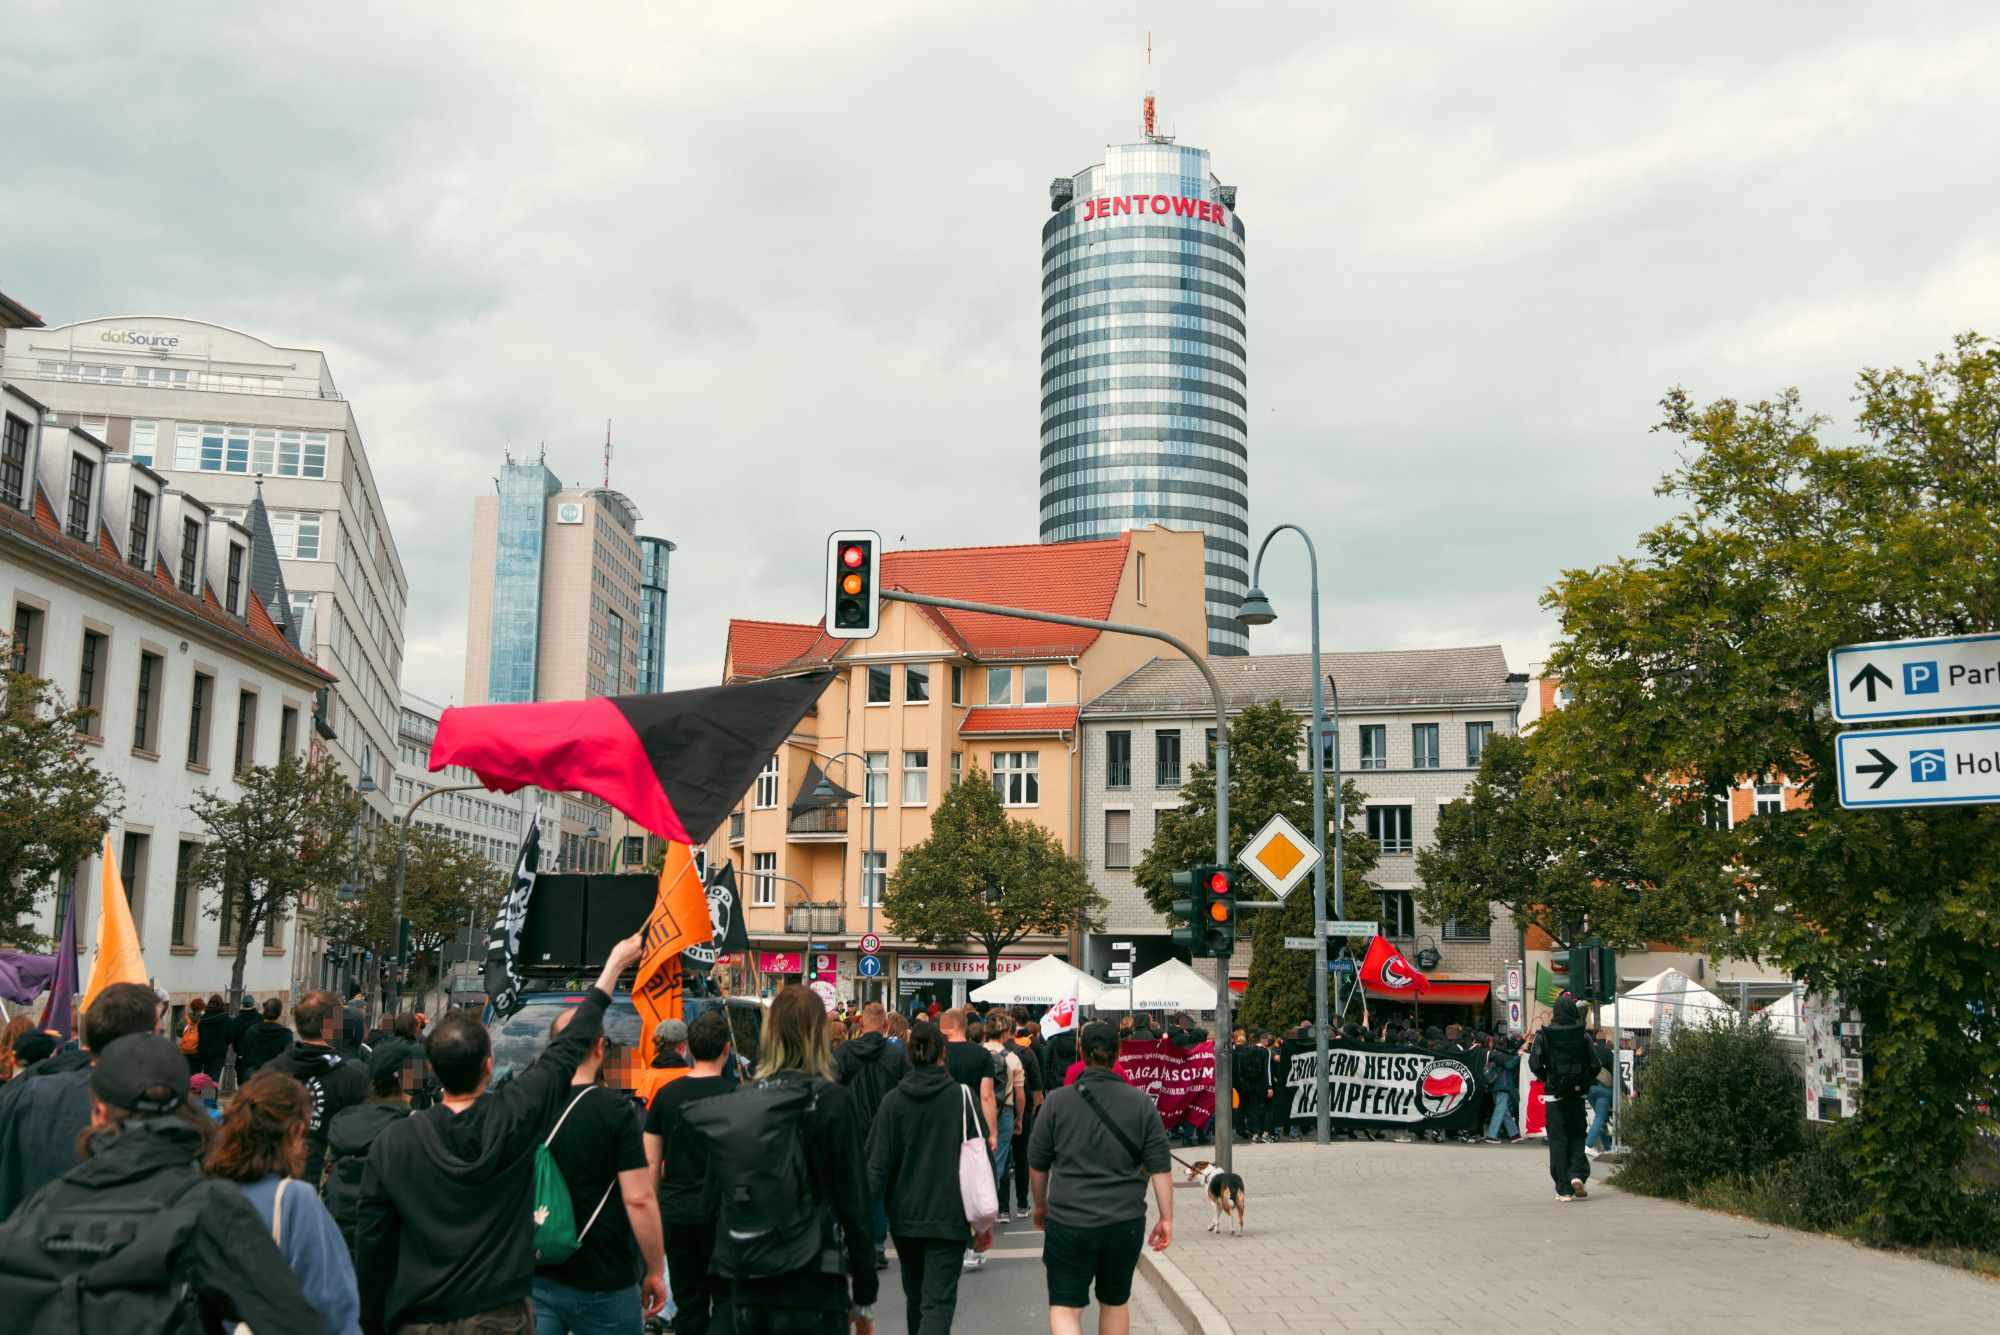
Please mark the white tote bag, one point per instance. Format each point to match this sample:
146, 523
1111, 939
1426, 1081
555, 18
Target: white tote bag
975, 1171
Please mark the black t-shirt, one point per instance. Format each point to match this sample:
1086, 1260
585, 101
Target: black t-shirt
969, 1063
683, 1166
598, 1141
1031, 1066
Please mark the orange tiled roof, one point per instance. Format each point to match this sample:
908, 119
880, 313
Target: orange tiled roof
759, 648
1030, 718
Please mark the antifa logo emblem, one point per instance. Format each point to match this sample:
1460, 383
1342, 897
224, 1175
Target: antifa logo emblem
1442, 1087
1395, 973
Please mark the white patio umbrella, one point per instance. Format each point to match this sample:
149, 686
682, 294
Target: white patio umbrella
1172, 986
1043, 983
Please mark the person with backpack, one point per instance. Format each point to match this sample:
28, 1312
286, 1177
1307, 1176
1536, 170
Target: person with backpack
1010, 1086
448, 1196
610, 1274
1029, 1050
680, 1167
394, 1071
44, 1110
335, 1080
190, 1036
913, 1166
263, 1042
871, 1066
261, 1148
786, 1184
1503, 1080
168, 1249
1566, 1063
1598, 1139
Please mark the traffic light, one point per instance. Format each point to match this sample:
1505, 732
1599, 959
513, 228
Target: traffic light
1210, 910
402, 940
1600, 972
853, 583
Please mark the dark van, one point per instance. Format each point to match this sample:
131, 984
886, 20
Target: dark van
520, 1038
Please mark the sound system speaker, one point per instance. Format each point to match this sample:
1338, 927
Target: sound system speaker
614, 908
552, 935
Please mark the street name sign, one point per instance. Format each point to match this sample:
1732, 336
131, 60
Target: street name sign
1301, 943
1935, 678
1280, 856
1350, 927
1950, 765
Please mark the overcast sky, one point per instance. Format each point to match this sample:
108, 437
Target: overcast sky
793, 252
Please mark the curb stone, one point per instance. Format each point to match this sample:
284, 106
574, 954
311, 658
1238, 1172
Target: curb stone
1198, 1316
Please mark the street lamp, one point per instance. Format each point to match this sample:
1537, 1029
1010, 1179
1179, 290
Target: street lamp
351, 892
402, 865
1256, 610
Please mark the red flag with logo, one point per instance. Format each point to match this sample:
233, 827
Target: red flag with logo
1385, 971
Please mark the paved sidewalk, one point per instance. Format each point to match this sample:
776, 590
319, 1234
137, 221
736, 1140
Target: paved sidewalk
1387, 1239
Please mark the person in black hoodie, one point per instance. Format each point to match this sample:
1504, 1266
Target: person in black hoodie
212, 1037
334, 1081
447, 1197
871, 1066
1564, 1059
241, 1023
394, 1070
263, 1041
913, 1167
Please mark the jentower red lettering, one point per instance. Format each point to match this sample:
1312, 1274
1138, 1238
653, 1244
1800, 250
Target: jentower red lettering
1103, 207
1161, 203
1207, 211
1089, 210
1184, 207
1221, 216
1122, 204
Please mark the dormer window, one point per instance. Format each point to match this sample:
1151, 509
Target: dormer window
14, 462
139, 542
190, 549
82, 474
233, 589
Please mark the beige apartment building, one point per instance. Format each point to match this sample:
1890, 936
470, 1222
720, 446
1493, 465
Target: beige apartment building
933, 697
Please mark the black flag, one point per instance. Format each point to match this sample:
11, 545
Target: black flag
503, 945
725, 910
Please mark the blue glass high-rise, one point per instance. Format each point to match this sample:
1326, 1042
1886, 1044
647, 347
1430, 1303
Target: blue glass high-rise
517, 583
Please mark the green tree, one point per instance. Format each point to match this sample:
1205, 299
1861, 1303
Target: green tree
282, 838
1702, 661
445, 889
55, 804
984, 877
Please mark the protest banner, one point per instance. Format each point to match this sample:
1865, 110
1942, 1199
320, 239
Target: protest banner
1379, 1086
1181, 1081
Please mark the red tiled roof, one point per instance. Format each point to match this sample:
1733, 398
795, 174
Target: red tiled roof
260, 632
1071, 578
1030, 718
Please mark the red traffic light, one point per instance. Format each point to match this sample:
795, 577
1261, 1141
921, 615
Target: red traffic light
1218, 883
852, 556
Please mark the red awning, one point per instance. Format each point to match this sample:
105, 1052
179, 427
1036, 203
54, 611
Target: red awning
1442, 992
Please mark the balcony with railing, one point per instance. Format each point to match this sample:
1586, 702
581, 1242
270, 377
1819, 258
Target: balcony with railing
818, 825
735, 829
816, 919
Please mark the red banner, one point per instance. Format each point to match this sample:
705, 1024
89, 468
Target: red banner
1181, 1081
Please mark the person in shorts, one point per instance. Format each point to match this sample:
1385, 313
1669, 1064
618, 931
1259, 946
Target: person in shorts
1096, 1146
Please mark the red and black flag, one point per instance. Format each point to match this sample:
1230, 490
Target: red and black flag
676, 763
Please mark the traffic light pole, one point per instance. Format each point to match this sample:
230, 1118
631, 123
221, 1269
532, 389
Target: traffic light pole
1223, 1121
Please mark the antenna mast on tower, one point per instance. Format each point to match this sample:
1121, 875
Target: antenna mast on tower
1149, 92
607, 454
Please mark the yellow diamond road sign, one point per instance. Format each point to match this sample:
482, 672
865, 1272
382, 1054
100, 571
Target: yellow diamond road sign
1280, 856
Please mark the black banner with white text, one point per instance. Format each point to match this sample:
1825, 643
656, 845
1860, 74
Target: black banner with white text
1381, 1087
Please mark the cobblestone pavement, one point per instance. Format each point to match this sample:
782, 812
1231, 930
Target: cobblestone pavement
1386, 1238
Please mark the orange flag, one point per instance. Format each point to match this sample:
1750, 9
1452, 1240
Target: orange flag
679, 920
117, 958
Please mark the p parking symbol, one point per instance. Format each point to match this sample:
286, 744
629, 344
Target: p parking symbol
1920, 679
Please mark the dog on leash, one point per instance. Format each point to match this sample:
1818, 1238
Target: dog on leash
1225, 1192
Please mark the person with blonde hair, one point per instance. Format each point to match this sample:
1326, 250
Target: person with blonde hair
262, 1149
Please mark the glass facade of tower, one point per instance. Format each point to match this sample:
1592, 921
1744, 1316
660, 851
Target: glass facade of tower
517, 583
653, 614
1144, 363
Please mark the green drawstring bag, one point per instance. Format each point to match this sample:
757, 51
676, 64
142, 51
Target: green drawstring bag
555, 1222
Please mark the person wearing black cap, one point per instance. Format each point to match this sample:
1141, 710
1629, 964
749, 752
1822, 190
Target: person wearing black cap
242, 1022
142, 1168
37, 1045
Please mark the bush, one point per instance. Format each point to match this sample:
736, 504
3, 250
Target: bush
1816, 1189
1720, 1101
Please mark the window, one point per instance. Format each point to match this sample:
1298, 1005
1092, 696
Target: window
14, 462
917, 684
25, 652
1117, 839
875, 786
999, 686
132, 870
184, 892
1016, 778
1167, 758
145, 721
957, 684
916, 778
1209, 737
246, 731
226, 925
1770, 798
288, 731
1034, 686
1423, 746
200, 705
635, 850
296, 534
765, 795
302, 617
90, 681
82, 476
1475, 743
1455, 930
1118, 759
145, 437
1717, 814
878, 686
1374, 746
874, 876
1139, 578
957, 768
1399, 914
139, 538
232, 588
274, 923
190, 553
1389, 827
763, 880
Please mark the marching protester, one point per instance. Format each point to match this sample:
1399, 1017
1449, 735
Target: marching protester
43, 1110
1564, 1059
334, 1080
615, 1278
394, 1070
139, 1190
670, 1061
262, 1148
972, 1066
1011, 1091
913, 1166
1028, 1048
679, 1165
443, 1240
212, 1037
1098, 1144
1503, 1081
241, 1023
1250, 1082
1598, 1139
263, 1041
871, 1066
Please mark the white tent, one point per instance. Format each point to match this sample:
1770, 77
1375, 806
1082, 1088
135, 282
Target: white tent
1043, 983
1172, 986
1640, 1008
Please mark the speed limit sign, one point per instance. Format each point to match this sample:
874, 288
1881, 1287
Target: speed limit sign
870, 943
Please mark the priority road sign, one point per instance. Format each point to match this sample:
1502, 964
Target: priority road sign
1280, 856
1955, 674
870, 943
1952, 765
869, 966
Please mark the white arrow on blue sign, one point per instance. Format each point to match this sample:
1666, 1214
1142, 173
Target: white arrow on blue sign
870, 966
1936, 678
1952, 765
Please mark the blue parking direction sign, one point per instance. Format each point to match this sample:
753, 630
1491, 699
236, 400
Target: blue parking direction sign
1951, 765
870, 966
1934, 678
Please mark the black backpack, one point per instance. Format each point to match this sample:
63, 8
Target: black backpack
1569, 1063
117, 1261
773, 1216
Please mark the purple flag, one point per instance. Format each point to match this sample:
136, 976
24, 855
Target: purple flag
61, 1013
24, 977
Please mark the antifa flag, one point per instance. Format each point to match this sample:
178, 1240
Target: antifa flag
503, 944
674, 762
1381, 1086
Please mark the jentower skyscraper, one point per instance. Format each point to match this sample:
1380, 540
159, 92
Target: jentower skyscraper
1145, 385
